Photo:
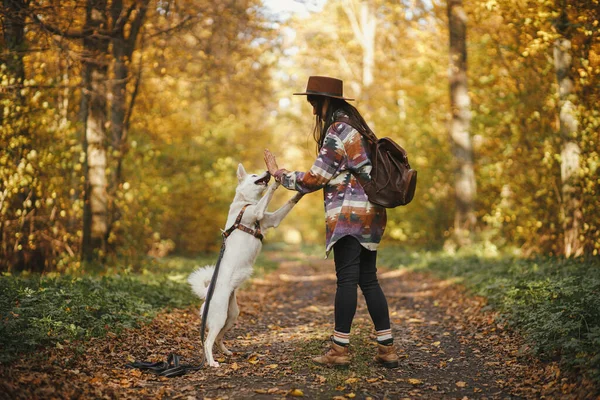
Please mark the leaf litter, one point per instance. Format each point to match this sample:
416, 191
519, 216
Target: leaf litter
449, 345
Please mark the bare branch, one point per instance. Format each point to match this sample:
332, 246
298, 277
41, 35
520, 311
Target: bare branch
122, 20
350, 11
136, 25
54, 30
136, 87
173, 28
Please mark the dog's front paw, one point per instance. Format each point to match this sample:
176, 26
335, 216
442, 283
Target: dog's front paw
214, 364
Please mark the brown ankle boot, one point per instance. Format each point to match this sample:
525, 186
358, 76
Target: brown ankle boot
336, 356
386, 356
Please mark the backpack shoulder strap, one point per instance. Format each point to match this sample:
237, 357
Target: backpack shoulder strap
370, 136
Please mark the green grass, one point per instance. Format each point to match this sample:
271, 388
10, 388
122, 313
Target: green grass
554, 303
40, 311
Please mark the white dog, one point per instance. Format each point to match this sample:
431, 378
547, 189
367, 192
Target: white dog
247, 218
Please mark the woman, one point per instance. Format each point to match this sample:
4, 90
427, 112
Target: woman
354, 225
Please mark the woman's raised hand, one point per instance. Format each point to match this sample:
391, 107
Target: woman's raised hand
270, 162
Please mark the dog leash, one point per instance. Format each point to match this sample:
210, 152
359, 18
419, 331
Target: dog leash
209, 294
169, 369
172, 367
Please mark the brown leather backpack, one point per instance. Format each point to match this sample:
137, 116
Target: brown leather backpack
393, 182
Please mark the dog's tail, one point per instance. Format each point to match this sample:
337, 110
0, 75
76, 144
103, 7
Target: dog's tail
200, 280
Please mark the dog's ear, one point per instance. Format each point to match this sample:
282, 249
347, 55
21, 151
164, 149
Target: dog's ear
241, 172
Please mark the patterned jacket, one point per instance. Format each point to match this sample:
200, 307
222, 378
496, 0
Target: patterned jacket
347, 209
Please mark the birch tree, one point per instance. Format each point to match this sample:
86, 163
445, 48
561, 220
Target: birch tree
364, 24
570, 151
95, 73
465, 186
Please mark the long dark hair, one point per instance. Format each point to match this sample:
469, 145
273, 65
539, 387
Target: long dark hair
337, 107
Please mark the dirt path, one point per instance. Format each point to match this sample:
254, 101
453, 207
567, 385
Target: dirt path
450, 347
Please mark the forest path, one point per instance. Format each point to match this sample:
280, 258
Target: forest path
450, 347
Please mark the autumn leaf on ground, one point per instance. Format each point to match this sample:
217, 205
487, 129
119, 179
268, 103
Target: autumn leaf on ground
461, 384
296, 393
414, 381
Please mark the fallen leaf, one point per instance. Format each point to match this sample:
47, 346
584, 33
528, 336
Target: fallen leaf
296, 393
135, 372
461, 384
414, 381
272, 366
235, 366
260, 391
350, 395
351, 380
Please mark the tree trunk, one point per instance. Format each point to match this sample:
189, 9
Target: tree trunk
123, 47
117, 117
95, 70
570, 151
364, 24
23, 255
465, 185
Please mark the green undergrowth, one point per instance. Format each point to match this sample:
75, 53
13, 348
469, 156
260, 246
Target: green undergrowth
40, 311
554, 303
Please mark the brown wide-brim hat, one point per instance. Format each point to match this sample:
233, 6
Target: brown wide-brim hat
325, 86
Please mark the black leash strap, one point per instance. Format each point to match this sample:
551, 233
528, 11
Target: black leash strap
169, 369
211, 289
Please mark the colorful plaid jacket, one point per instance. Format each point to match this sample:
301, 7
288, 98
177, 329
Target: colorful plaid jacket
347, 209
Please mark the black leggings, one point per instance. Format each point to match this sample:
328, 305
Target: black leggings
355, 265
